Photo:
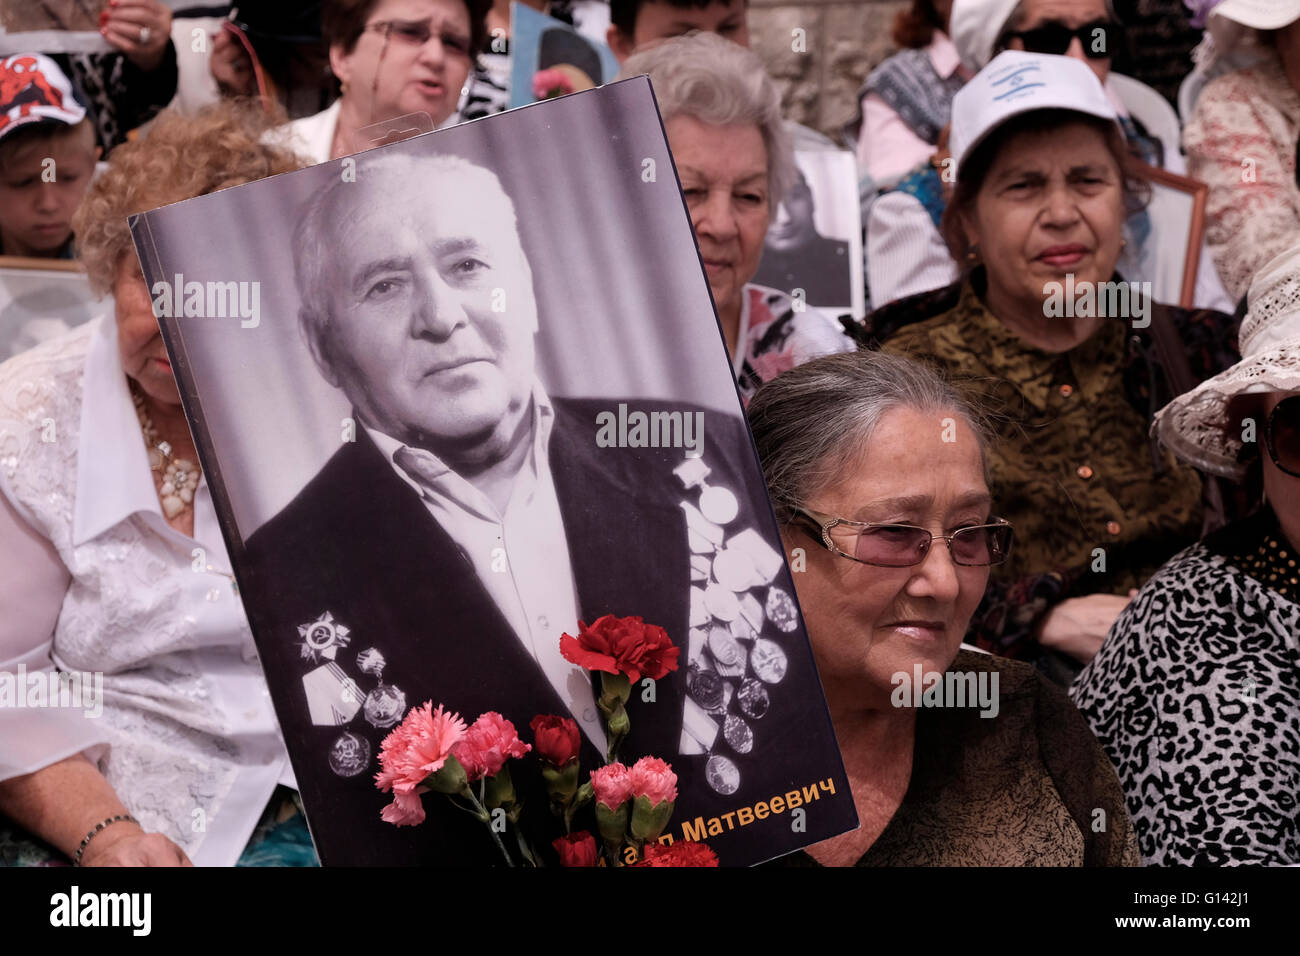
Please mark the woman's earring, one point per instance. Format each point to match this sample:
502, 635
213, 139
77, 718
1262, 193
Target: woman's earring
1123, 242
343, 88
972, 255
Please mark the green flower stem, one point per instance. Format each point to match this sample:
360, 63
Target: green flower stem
524, 849
483, 814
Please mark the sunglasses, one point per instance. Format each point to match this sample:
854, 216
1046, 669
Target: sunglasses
1098, 39
904, 545
1282, 435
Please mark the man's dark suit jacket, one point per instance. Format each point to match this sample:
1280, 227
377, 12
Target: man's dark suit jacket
359, 542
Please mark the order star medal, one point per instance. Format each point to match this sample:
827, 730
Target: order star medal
322, 638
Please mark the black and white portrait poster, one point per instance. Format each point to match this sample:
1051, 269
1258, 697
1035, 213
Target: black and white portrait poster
453, 395
815, 241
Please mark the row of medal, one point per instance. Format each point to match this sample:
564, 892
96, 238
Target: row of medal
333, 698
731, 667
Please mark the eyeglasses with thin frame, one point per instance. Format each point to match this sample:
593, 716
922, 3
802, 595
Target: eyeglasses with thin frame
903, 545
1282, 435
1098, 38
416, 33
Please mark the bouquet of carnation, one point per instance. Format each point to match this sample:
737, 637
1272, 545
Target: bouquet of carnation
433, 751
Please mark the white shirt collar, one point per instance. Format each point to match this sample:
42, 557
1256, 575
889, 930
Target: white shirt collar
543, 421
113, 478
742, 330
311, 136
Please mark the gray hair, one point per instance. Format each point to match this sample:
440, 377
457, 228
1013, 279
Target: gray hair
812, 423
719, 82
315, 241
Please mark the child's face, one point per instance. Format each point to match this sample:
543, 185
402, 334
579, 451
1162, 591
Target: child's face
41, 184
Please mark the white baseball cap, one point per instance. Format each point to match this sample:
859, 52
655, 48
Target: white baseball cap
34, 90
1018, 82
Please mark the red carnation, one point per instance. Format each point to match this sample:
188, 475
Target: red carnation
577, 849
621, 645
678, 854
556, 739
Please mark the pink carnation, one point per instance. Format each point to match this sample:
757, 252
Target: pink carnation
650, 777
488, 744
612, 784
417, 747
406, 810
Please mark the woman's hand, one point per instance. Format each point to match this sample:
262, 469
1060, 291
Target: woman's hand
141, 29
127, 844
60, 803
230, 66
1078, 626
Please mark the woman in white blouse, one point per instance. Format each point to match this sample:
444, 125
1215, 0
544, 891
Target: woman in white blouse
155, 743
392, 58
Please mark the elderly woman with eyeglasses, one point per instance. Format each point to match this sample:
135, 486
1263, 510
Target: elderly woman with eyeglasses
722, 115
876, 470
392, 58
1070, 360
1196, 692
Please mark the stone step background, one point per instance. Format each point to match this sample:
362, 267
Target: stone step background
845, 40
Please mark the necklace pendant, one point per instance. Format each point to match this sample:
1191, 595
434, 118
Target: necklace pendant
155, 460
172, 506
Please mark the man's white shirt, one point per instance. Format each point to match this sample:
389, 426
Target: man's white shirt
521, 555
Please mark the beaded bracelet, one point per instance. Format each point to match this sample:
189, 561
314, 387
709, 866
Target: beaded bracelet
76, 860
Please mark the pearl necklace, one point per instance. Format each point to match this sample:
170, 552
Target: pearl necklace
180, 475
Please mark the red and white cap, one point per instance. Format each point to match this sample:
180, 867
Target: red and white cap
34, 90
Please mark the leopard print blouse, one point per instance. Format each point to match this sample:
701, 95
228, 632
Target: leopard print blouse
1196, 697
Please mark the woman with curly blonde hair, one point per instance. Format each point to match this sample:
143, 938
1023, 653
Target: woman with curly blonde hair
147, 735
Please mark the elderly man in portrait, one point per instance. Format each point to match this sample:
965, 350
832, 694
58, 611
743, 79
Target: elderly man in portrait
796, 255
474, 519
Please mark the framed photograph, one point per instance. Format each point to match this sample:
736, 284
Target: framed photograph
1177, 209
538, 43
40, 299
451, 397
815, 242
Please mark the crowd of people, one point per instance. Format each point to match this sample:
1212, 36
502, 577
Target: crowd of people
1095, 498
